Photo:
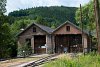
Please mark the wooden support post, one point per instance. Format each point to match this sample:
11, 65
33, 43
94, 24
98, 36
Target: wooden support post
32, 44
48, 44
82, 27
90, 40
53, 43
97, 18
85, 43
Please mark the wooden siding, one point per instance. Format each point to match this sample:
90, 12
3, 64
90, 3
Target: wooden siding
62, 30
30, 32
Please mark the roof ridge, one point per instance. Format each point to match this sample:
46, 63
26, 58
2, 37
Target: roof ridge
50, 30
42, 25
71, 24
45, 28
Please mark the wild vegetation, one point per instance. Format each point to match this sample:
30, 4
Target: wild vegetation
88, 17
48, 16
89, 60
7, 41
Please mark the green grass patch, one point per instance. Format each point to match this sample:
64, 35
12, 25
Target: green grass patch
80, 61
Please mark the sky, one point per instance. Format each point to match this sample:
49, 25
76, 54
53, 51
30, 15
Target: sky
13, 5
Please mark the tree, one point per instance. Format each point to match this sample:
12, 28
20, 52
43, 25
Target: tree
7, 43
18, 25
2, 6
49, 15
97, 18
39, 20
87, 17
4, 38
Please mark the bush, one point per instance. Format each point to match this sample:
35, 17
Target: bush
24, 51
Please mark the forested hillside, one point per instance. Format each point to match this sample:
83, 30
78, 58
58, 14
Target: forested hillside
50, 16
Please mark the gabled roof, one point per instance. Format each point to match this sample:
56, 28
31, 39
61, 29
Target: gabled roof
68, 22
50, 30
44, 28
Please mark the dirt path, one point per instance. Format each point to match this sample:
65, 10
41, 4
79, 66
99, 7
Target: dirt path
18, 61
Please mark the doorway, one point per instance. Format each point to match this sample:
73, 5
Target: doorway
72, 43
39, 44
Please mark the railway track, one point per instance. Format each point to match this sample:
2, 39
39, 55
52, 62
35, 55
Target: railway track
40, 61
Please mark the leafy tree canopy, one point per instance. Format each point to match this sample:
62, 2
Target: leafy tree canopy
2, 6
88, 17
54, 15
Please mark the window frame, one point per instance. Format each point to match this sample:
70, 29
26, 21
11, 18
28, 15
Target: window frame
34, 29
68, 28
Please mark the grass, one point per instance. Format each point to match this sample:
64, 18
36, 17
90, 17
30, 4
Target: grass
80, 61
18, 61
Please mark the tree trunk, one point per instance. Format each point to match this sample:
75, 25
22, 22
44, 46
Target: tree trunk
97, 18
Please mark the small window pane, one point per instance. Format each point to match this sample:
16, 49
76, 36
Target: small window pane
67, 28
34, 29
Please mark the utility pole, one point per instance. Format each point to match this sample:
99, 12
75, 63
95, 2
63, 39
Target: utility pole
81, 27
97, 19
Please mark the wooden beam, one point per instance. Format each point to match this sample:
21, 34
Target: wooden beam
82, 27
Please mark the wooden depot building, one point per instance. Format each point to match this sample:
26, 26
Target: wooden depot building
43, 39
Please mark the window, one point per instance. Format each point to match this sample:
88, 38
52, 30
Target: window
67, 28
34, 29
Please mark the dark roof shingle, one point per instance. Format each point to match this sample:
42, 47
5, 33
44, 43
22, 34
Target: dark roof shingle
45, 28
50, 30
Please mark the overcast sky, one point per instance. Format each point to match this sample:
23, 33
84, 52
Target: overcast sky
23, 4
